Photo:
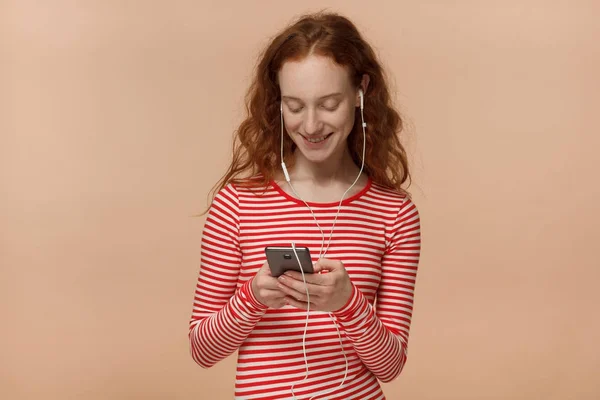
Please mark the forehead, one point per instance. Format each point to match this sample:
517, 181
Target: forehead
312, 77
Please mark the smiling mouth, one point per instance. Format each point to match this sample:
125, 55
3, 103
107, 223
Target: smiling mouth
317, 139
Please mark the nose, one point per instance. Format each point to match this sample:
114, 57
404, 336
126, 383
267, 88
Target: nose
312, 124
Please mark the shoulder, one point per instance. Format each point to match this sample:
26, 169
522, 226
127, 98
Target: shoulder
227, 194
253, 189
401, 212
240, 185
403, 222
234, 194
392, 197
253, 183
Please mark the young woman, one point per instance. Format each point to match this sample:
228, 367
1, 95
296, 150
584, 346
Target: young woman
318, 164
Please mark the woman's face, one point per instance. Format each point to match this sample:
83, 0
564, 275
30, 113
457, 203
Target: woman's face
319, 104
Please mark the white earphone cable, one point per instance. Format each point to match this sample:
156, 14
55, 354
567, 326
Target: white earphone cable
323, 250
305, 323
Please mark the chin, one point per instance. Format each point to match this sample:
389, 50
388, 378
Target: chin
319, 157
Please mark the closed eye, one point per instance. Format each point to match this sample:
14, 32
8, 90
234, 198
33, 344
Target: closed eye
331, 108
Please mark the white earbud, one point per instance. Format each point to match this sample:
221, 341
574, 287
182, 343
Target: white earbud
362, 99
362, 106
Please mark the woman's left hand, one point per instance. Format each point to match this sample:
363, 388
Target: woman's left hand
328, 291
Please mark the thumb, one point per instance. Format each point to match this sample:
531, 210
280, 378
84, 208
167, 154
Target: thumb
325, 264
265, 270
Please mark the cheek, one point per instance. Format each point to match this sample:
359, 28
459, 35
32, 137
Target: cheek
293, 124
343, 120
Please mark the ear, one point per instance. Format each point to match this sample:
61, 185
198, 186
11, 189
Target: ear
364, 85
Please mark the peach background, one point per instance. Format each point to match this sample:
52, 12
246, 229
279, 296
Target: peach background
116, 119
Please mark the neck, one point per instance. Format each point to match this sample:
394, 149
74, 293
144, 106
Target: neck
338, 168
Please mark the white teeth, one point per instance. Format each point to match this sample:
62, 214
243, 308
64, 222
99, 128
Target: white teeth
318, 140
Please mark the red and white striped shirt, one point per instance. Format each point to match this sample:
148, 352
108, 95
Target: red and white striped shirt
377, 238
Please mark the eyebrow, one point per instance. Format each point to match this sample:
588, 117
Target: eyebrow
320, 98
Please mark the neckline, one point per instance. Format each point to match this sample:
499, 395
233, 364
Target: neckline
346, 201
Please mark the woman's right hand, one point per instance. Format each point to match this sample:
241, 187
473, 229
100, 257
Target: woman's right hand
265, 289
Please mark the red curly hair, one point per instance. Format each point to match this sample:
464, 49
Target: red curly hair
256, 148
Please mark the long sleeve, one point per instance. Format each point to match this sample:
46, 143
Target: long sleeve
222, 317
380, 333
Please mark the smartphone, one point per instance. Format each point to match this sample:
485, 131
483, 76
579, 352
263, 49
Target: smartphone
282, 259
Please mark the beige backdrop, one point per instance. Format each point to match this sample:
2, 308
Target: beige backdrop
116, 119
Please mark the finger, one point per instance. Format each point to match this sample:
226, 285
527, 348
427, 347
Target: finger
265, 269
298, 304
269, 283
313, 279
295, 294
328, 264
318, 269
298, 285
272, 294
